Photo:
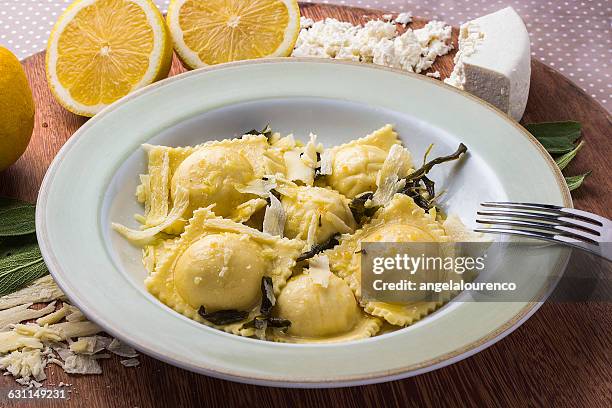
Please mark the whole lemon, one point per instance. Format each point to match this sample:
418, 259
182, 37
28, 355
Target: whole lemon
16, 109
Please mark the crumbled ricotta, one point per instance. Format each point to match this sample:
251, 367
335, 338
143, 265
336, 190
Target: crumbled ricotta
403, 18
377, 41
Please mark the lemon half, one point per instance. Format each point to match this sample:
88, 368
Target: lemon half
207, 32
101, 50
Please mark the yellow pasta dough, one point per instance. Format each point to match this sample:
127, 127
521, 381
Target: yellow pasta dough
400, 221
203, 256
355, 165
314, 214
218, 264
322, 314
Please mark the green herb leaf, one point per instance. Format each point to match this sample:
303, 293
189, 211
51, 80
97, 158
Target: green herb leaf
222, 317
573, 182
268, 300
16, 217
564, 160
359, 210
556, 137
267, 132
330, 243
20, 264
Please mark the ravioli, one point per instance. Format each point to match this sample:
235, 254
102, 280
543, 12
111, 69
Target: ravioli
212, 173
400, 221
218, 264
322, 314
315, 214
355, 165
226, 219
183, 179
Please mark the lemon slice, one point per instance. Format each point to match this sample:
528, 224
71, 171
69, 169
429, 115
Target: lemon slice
207, 32
101, 50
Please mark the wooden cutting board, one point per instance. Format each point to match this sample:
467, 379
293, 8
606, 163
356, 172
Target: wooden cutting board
553, 358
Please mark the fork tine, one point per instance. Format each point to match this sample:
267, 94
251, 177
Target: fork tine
510, 231
521, 205
551, 229
548, 209
557, 219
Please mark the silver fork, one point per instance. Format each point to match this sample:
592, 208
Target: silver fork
577, 228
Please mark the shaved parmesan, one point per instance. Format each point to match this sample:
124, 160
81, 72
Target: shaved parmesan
20, 313
297, 170
246, 210
121, 349
327, 161
82, 364
143, 237
75, 329
309, 156
41, 290
312, 231
274, 219
389, 180
74, 314
44, 333
89, 345
25, 364
260, 187
338, 224
11, 340
53, 317
319, 270
130, 362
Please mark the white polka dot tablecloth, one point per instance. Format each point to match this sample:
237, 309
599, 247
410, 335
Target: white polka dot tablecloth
571, 36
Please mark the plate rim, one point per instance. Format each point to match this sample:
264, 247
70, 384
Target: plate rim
407, 371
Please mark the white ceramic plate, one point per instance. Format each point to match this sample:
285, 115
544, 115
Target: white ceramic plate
92, 180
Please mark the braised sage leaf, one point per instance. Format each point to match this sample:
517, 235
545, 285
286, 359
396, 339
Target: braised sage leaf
278, 322
16, 217
330, 243
268, 300
222, 317
359, 210
573, 182
267, 132
556, 137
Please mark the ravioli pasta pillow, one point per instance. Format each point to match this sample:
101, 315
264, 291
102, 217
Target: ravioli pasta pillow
355, 165
183, 179
400, 221
218, 264
322, 313
315, 214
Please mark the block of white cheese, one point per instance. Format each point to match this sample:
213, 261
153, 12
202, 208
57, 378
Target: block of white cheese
494, 62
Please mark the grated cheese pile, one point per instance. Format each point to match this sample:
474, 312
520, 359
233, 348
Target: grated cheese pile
377, 41
61, 336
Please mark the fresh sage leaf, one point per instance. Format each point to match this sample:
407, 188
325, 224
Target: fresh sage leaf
556, 137
573, 182
563, 161
16, 217
20, 264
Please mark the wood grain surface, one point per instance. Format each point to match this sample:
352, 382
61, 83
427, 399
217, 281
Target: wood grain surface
562, 356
